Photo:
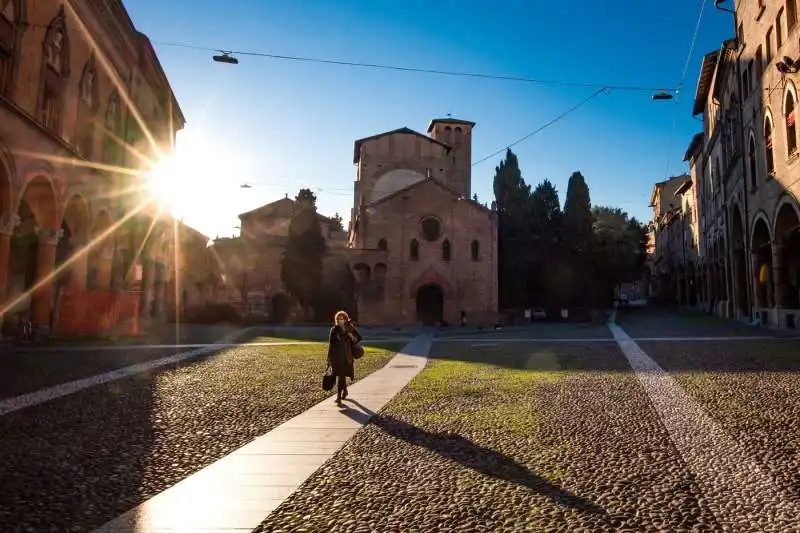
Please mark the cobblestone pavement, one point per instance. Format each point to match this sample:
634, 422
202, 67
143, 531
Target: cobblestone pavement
563, 437
492, 436
28, 368
76, 462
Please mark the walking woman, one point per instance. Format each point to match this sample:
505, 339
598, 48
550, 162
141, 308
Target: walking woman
341, 347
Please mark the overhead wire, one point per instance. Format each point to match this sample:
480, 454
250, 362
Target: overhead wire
679, 86
545, 125
420, 70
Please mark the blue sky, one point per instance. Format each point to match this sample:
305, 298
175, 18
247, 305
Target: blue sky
282, 125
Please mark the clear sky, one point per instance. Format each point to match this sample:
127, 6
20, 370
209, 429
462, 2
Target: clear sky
282, 125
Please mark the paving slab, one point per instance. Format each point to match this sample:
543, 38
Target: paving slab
237, 492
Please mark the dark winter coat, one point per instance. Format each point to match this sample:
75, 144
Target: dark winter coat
340, 351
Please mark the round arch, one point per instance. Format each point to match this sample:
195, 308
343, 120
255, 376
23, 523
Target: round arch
76, 216
785, 201
760, 216
39, 194
790, 89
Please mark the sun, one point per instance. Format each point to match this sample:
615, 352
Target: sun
165, 181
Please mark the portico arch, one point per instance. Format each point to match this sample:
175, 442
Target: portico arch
102, 254
76, 228
33, 248
786, 250
761, 249
739, 266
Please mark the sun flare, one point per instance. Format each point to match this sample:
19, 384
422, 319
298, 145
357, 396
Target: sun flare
164, 182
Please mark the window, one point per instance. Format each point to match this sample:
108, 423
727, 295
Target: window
87, 108
745, 84
778, 30
382, 244
8, 31
759, 62
448, 135
791, 14
751, 163
111, 146
414, 249
475, 250
768, 45
55, 72
768, 147
459, 136
791, 129
446, 250
431, 229
740, 35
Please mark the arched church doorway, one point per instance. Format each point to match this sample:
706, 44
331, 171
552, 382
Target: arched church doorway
430, 304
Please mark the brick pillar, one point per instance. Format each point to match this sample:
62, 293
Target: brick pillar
105, 262
79, 265
42, 301
7, 225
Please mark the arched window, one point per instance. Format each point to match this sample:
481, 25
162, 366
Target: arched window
459, 135
475, 250
791, 129
382, 244
111, 146
55, 73
448, 135
446, 250
87, 108
11, 28
751, 163
768, 146
414, 249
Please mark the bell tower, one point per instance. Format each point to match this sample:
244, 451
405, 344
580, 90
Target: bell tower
457, 134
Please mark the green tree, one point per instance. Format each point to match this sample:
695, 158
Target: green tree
301, 264
337, 224
620, 251
512, 197
576, 241
544, 229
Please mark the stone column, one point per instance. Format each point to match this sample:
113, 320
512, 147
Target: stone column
778, 274
79, 264
7, 225
42, 301
105, 263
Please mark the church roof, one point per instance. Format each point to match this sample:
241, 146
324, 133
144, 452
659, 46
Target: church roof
450, 121
283, 208
404, 130
421, 183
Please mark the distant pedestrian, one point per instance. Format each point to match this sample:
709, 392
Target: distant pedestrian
343, 349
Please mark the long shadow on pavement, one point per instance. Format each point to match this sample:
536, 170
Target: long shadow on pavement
73, 463
479, 458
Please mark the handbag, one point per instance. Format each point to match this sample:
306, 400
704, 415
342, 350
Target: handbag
358, 351
328, 379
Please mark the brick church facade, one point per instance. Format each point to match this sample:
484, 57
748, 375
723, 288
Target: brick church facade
421, 249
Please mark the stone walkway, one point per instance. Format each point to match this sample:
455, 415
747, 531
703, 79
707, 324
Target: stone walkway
237, 492
740, 494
